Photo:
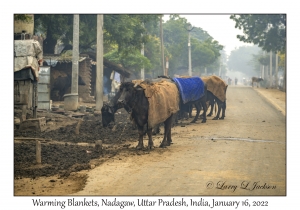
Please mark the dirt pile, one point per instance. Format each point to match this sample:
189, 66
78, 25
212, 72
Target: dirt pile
63, 153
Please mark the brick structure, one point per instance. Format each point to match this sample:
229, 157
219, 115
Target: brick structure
62, 67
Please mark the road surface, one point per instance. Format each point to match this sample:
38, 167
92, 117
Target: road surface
245, 154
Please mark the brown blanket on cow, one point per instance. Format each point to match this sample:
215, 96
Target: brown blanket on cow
163, 100
216, 85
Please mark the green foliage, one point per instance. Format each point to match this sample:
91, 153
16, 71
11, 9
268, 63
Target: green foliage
204, 50
152, 52
267, 31
23, 17
133, 60
124, 31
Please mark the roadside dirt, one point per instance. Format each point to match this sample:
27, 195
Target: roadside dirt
68, 158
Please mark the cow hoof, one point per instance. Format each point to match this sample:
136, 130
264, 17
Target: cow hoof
215, 118
209, 115
162, 146
193, 121
139, 147
222, 118
203, 121
150, 146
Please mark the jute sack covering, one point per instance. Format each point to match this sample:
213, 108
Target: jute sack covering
216, 85
27, 53
163, 98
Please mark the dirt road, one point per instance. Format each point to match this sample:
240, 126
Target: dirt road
245, 154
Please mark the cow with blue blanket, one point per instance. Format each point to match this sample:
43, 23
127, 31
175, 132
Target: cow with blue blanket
192, 91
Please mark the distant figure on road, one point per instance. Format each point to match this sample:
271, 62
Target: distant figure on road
229, 81
235, 81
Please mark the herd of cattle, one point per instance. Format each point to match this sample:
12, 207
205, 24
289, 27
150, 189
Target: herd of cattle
151, 102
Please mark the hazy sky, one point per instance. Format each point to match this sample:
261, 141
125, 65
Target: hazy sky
220, 27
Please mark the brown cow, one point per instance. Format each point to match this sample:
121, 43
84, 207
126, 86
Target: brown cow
257, 80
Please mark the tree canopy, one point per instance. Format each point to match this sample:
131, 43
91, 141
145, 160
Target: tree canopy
204, 49
125, 34
267, 31
122, 30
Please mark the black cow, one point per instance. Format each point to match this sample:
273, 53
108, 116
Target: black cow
135, 99
200, 103
62, 84
257, 80
109, 109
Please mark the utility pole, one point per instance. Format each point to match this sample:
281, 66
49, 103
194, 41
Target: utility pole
75, 55
271, 76
220, 70
263, 68
276, 71
190, 59
190, 28
99, 67
143, 70
71, 100
162, 47
167, 66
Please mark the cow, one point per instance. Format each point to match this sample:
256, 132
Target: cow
183, 83
257, 80
109, 109
200, 103
221, 105
216, 93
134, 96
62, 83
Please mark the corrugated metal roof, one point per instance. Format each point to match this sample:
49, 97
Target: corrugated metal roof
52, 60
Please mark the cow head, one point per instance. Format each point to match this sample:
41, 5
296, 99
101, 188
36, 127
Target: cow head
130, 93
108, 114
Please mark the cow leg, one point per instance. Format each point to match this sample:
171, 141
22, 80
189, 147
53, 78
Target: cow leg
167, 134
169, 128
150, 142
223, 110
141, 133
219, 110
190, 110
203, 103
198, 108
211, 104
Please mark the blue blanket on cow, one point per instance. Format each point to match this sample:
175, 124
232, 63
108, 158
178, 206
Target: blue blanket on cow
191, 89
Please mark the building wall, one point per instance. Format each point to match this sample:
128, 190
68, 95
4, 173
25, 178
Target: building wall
23, 92
84, 91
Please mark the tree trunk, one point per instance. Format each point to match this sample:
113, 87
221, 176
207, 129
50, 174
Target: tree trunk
49, 43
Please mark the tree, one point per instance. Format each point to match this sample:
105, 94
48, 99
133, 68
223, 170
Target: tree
124, 31
241, 60
267, 31
204, 49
